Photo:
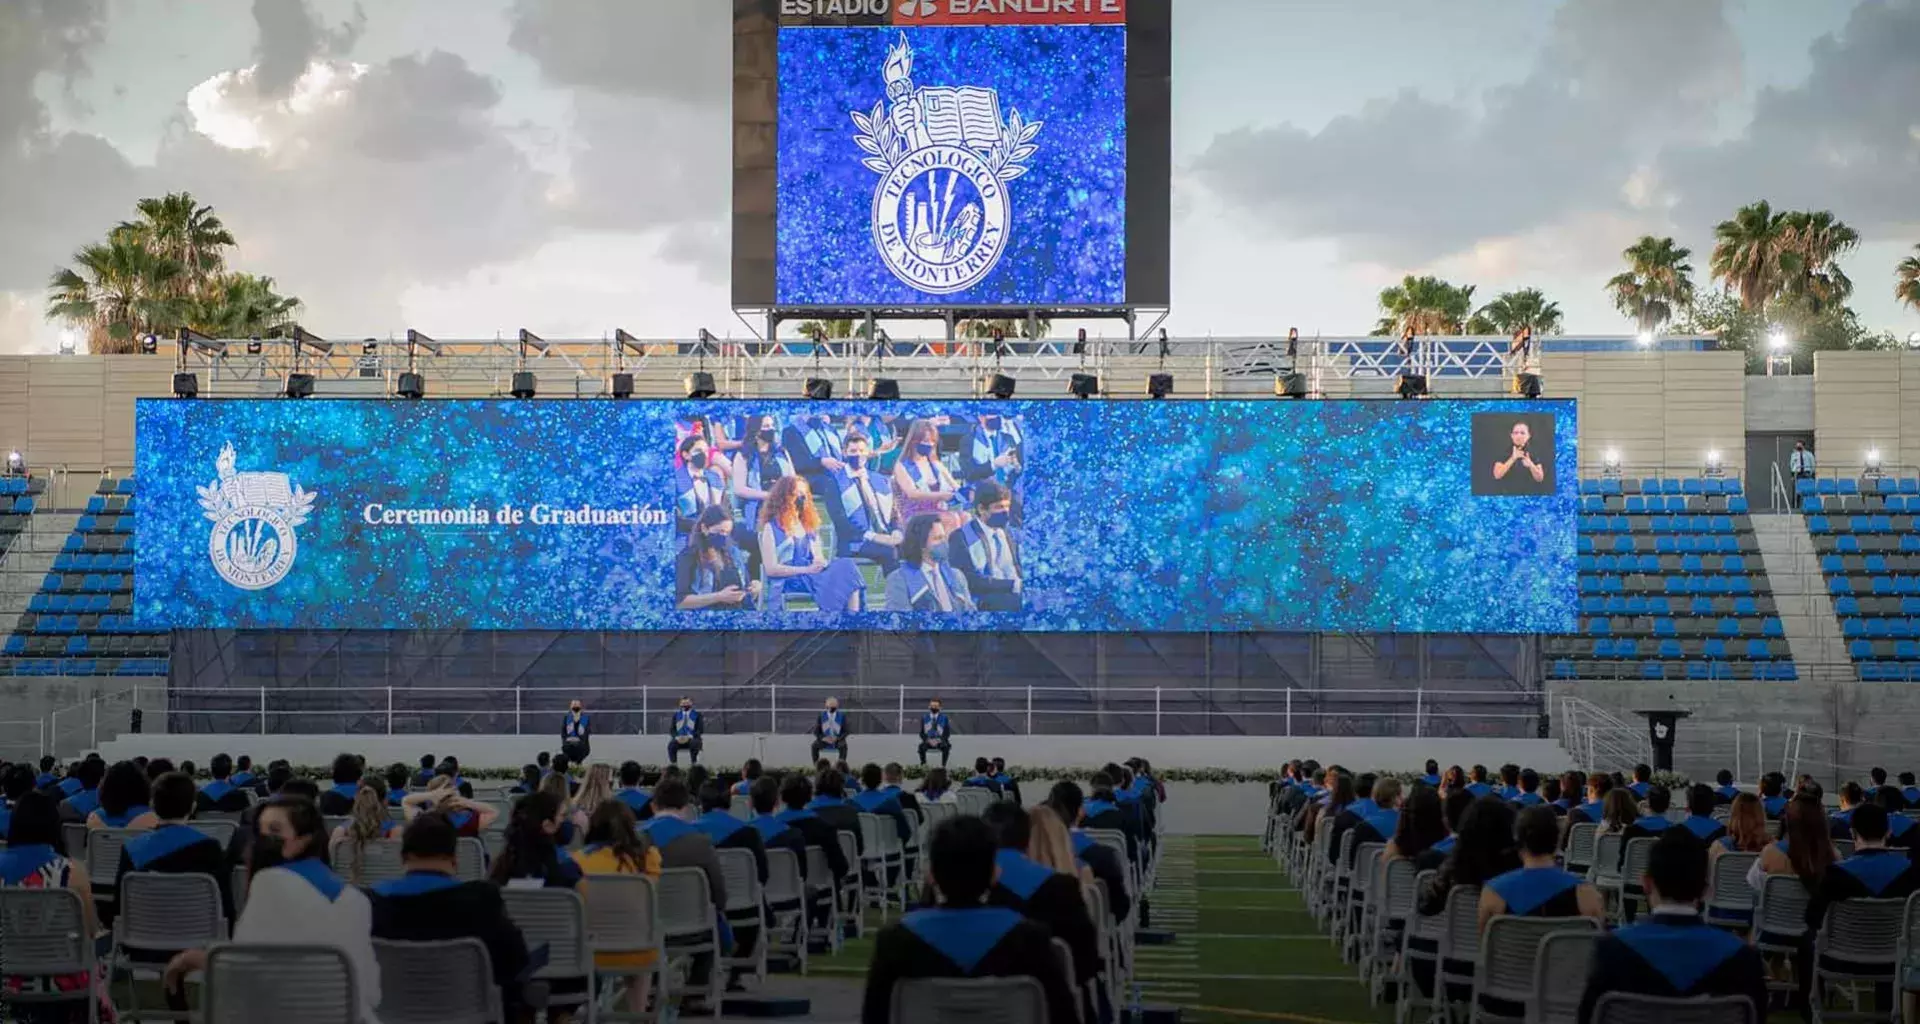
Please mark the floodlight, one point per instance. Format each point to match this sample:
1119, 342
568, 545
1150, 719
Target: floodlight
68, 342
299, 385
186, 385
1777, 338
1873, 460
1612, 459
1646, 339
700, 385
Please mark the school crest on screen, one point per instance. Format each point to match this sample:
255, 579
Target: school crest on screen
943, 210
254, 515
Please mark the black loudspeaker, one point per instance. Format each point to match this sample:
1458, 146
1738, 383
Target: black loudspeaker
700, 385
523, 385
299, 385
1159, 385
819, 388
1000, 386
621, 385
1530, 385
1290, 385
186, 385
411, 385
1412, 385
1083, 385
884, 389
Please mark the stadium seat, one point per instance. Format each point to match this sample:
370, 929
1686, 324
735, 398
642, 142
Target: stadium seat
1860, 650
1839, 586
1826, 485
1758, 650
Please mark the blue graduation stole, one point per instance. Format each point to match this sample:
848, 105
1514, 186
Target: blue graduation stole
820, 439
1594, 811
1653, 823
19, 863
788, 817
1363, 807
43, 780
872, 801
346, 789
319, 876
978, 781
1564, 804
742, 788
1020, 875
85, 802
1430, 779
992, 560
1080, 842
1529, 799
574, 728
1898, 825
120, 820
769, 826
757, 478
1702, 827
689, 502
933, 726
1727, 792
416, 883
988, 445
718, 825
1445, 845
1774, 805
459, 819
920, 591
165, 840
1528, 889
825, 801
962, 936
1095, 808
684, 722
217, 789
877, 518
1639, 789
398, 798
1912, 794
1384, 822
1876, 869
832, 724
635, 798
69, 786
1479, 789
1682, 953
243, 779
665, 828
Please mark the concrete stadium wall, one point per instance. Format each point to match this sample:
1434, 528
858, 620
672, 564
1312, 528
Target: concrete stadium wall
1866, 400
1661, 410
76, 411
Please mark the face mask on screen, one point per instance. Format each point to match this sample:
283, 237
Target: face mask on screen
993, 423
937, 552
999, 520
857, 461
697, 460
719, 541
766, 434
924, 448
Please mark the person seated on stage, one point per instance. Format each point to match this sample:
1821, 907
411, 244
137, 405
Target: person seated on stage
686, 732
531, 857
1005, 781
1108, 869
712, 572
683, 845
221, 795
176, 848
875, 798
892, 780
430, 904
1673, 952
982, 777
1039, 893
830, 805
1539, 887
936, 733
1699, 821
124, 796
925, 582
637, 799
749, 774
963, 937
986, 552
861, 505
338, 801
830, 730
794, 558
576, 733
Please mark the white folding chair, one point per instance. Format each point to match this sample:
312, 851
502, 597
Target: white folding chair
247, 984
375, 862
821, 884
687, 923
159, 915
1604, 873
786, 907
853, 890
1394, 903
1459, 943
103, 860
1730, 903
1426, 929
556, 918
1625, 1008
1632, 870
1108, 976
1864, 935
221, 830
43, 934
1560, 971
1580, 846
462, 992
1366, 864
873, 861
471, 865
1506, 967
1780, 924
746, 904
968, 1001
623, 917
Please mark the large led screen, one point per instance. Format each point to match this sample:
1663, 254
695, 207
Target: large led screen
1445, 516
962, 165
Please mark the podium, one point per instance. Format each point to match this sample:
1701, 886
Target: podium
1661, 727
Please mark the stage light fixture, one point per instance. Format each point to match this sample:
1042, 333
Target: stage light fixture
1778, 340
16, 463
819, 389
186, 385
1080, 342
1612, 460
299, 385
1713, 462
370, 347
1530, 386
1913, 340
620, 385
1413, 385
1159, 385
69, 342
1000, 385
700, 385
254, 346
1645, 339
411, 385
524, 384
883, 389
1083, 385
1873, 461
149, 344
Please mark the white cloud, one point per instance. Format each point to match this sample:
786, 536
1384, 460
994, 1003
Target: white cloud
233, 111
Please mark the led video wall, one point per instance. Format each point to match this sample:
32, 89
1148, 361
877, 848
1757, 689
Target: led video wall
1446, 516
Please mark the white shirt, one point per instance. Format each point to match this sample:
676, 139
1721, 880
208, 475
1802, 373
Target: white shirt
285, 909
1800, 460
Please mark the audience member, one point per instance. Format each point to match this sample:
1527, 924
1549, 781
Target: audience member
1040, 893
615, 846
123, 799
80, 805
368, 823
1483, 850
682, 845
1539, 887
1422, 823
531, 857
221, 795
174, 847
1699, 820
347, 770
1104, 862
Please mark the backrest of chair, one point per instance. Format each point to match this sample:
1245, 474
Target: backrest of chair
103, 854
1635, 867
1560, 970
1112, 839
219, 830
1460, 930
472, 863
462, 991
1366, 858
968, 1001
1343, 864
74, 835
1863, 931
1627, 1008
973, 800
741, 874
686, 902
1064, 954
1399, 890
850, 848
246, 984
1730, 888
1511, 944
870, 832
1606, 858
785, 882
43, 932
1782, 910
170, 911
623, 914
556, 918
1422, 925
1580, 843
819, 868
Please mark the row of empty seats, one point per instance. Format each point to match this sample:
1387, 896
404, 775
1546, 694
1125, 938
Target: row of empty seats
1666, 544
1686, 485
1870, 561
1838, 486
1672, 585
80, 621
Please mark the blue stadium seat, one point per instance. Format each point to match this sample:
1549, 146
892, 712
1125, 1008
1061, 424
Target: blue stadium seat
1649, 485
1676, 503
1903, 629
1702, 606
1665, 545
1839, 586
1848, 544
1906, 650
1757, 650
1692, 563
1589, 584
1652, 670
1603, 649
1876, 564
1905, 585
1853, 629
1812, 503
96, 505
1593, 503
1860, 650
1600, 627
24, 506
1585, 563
1880, 524
1664, 627
1848, 485
1612, 585
1819, 524
1623, 544
1691, 485
1910, 543
1670, 650
1562, 669
1735, 564
1846, 606
125, 486
1635, 605
1745, 606
1669, 487
1909, 485
1721, 524
1885, 485
1584, 544
1883, 586
1876, 628
1827, 485
1658, 605
1626, 648
1729, 627
1857, 524
16, 644
1589, 487
1715, 649
1803, 488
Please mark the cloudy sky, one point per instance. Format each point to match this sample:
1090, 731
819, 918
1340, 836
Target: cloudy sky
469, 167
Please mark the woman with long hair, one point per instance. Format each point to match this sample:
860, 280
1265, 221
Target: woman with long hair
531, 856
1805, 849
615, 846
711, 571
1422, 824
123, 799
560, 787
1483, 849
937, 788
794, 557
1454, 779
36, 858
1340, 793
921, 482
1619, 810
1746, 827
761, 463
596, 790
925, 582
367, 822
698, 485
1049, 845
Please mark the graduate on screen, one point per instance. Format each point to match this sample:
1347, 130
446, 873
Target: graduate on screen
925, 582
699, 485
710, 573
815, 447
794, 558
861, 504
986, 553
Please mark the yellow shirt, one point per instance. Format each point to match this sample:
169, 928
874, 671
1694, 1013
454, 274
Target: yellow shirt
600, 860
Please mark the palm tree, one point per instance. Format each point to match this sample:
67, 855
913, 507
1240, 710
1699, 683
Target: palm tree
1658, 282
1527, 307
1812, 244
1007, 328
1747, 251
116, 291
1906, 280
240, 306
191, 235
835, 330
1426, 304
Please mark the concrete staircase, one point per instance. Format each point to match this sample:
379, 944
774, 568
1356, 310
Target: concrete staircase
28, 561
1800, 592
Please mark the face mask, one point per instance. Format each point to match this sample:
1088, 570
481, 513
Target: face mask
686, 707
999, 520
819, 421
924, 448
799, 501
719, 541
857, 461
698, 460
268, 852
937, 552
993, 423
934, 710
766, 435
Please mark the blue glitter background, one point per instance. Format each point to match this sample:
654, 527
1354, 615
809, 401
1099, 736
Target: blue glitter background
1067, 241
1161, 516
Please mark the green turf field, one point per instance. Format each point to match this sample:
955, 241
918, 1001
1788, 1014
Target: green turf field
1246, 949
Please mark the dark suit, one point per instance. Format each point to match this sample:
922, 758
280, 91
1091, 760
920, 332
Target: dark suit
220, 796
693, 725
980, 942
1108, 869
992, 576
858, 511
936, 733
177, 850
1675, 956
1108, 816
338, 801
1048, 897
426, 906
576, 736
836, 742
